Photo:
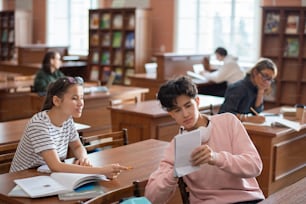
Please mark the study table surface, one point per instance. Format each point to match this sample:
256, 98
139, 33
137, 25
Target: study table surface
12, 131
150, 80
295, 193
4, 76
146, 119
12, 84
151, 152
282, 151
69, 68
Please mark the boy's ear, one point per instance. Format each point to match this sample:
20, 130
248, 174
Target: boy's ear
197, 100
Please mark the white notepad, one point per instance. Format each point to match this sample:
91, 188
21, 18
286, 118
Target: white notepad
185, 143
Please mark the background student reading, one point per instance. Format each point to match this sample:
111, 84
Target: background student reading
223, 75
249, 93
49, 71
49, 133
228, 160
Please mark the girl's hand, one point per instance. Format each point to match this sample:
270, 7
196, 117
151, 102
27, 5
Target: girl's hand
83, 162
201, 155
112, 171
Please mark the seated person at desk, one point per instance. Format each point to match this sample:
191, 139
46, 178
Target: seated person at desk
228, 160
246, 96
228, 73
49, 72
49, 133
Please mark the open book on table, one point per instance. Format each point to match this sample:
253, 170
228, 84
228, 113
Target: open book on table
277, 120
196, 73
56, 183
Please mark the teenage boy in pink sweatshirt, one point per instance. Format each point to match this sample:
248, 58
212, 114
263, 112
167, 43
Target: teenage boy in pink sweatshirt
228, 160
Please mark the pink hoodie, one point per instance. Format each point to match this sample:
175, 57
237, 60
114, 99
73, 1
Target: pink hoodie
231, 179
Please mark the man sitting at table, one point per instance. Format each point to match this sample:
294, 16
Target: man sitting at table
228, 73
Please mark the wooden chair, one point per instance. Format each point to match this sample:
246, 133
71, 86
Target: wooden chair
111, 139
136, 189
115, 102
209, 111
7, 152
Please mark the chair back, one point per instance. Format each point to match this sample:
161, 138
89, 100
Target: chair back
7, 152
183, 190
209, 111
110, 139
136, 189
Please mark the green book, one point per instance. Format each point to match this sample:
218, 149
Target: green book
117, 36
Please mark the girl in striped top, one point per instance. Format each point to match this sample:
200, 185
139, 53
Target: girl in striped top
49, 133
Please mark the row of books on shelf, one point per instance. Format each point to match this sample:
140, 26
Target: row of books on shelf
115, 41
6, 52
117, 21
292, 47
117, 59
272, 24
103, 74
7, 22
7, 36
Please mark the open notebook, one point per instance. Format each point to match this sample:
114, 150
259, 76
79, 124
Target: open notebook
56, 183
278, 120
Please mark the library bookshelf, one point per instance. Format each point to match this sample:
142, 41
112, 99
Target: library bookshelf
284, 41
15, 30
119, 43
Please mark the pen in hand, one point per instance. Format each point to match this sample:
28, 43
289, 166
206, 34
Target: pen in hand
254, 111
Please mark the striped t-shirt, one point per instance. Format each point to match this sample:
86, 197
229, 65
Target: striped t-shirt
39, 135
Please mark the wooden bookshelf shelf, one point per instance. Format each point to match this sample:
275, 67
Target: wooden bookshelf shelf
119, 41
15, 30
284, 41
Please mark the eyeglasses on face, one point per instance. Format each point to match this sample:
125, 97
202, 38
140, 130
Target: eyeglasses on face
266, 77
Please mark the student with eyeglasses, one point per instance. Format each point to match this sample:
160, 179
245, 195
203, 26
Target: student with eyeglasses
49, 72
49, 133
245, 98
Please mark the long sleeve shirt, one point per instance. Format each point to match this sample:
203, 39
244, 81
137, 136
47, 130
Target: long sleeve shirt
43, 79
231, 179
240, 96
229, 72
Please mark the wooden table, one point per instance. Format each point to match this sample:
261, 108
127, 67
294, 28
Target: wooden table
295, 193
12, 84
12, 131
151, 152
70, 68
282, 151
153, 83
147, 119
5, 76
